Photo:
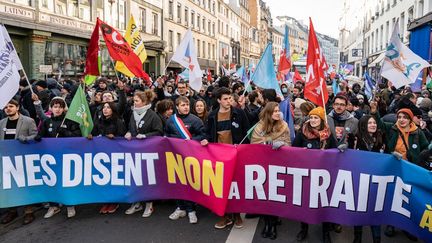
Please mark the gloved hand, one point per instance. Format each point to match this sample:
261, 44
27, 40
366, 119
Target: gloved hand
22, 139
397, 155
277, 144
141, 136
342, 147
128, 136
38, 138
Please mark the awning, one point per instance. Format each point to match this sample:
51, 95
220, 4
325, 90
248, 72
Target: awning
377, 60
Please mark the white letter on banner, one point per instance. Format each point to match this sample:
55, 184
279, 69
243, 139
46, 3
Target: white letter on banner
234, 191
399, 198
116, 168
105, 175
133, 168
51, 179
381, 192
251, 184
77, 170
9, 171
274, 183
32, 169
363, 193
318, 191
88, 167
151, 173
343, 191
298, 174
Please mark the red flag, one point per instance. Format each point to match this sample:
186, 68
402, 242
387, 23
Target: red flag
315, 87
284, 64
209, 75
297, 76
91, 67
120, 50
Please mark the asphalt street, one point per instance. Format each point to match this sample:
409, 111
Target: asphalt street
89, 226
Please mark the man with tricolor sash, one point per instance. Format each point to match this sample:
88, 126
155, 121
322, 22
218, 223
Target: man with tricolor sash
186, 126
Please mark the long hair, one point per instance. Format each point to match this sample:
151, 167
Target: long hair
364, 135
113, 107
205, 115
270, 125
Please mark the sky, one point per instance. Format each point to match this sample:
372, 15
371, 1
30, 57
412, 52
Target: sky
325, 13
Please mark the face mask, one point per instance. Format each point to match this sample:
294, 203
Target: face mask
284, 90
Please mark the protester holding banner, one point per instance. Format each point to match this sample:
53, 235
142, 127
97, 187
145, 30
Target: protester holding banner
144, 123
164, 110
368, 138
272, 130
23, 128
186, 126
229, 125
315, 134
53, 127
404, 140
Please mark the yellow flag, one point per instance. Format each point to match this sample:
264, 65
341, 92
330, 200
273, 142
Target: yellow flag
133, 38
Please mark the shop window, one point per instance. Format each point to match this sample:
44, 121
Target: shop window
67, 58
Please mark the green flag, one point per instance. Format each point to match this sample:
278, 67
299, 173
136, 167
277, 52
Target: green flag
79, 112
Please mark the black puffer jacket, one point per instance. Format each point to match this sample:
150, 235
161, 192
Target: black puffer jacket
53, 125
112, 125
149, 125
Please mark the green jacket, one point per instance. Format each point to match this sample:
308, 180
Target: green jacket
417, 141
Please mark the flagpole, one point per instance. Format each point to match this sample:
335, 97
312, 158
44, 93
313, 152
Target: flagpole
323, 101
114, 69
28, 82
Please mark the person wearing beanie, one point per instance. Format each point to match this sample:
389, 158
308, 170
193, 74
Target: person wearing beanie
52, 127
341, 121
403, 139
315, 134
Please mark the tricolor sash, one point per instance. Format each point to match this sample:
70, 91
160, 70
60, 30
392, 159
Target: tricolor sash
181, 128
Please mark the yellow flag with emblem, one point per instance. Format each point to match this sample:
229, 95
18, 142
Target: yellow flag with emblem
133, 38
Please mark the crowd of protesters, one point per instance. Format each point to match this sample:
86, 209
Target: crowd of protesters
396, 121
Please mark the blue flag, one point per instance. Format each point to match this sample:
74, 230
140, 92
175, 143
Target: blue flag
241, 73
264, 75
285, 108
417, 85
369, 87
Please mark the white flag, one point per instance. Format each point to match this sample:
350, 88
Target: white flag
9, 81
6, 40
186, 56
401, 66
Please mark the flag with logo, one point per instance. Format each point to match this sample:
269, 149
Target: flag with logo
120, 50
79, 112
186, 56
133, 38
265, 75
9, 61
401, 66
285, 59
315, 87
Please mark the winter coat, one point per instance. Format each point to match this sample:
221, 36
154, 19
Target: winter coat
239, 126
351, 125
149, 125
260, 137
417, 141
302, 141
191, 122
104, 126
26, 128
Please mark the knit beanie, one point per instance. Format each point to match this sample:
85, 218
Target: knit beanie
319, 111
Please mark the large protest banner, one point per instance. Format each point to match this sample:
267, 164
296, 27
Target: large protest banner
352, 188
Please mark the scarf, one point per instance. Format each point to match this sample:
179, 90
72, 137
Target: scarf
312, 133
341, 117
139, 113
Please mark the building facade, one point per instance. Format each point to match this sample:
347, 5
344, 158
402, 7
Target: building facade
200, 17
57, 32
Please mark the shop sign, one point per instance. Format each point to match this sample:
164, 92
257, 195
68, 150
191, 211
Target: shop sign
45, 68
71, 23
16, 11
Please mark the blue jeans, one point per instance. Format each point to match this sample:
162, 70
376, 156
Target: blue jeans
186, 205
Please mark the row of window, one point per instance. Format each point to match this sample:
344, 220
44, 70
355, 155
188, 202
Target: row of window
204, 49
196, 20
